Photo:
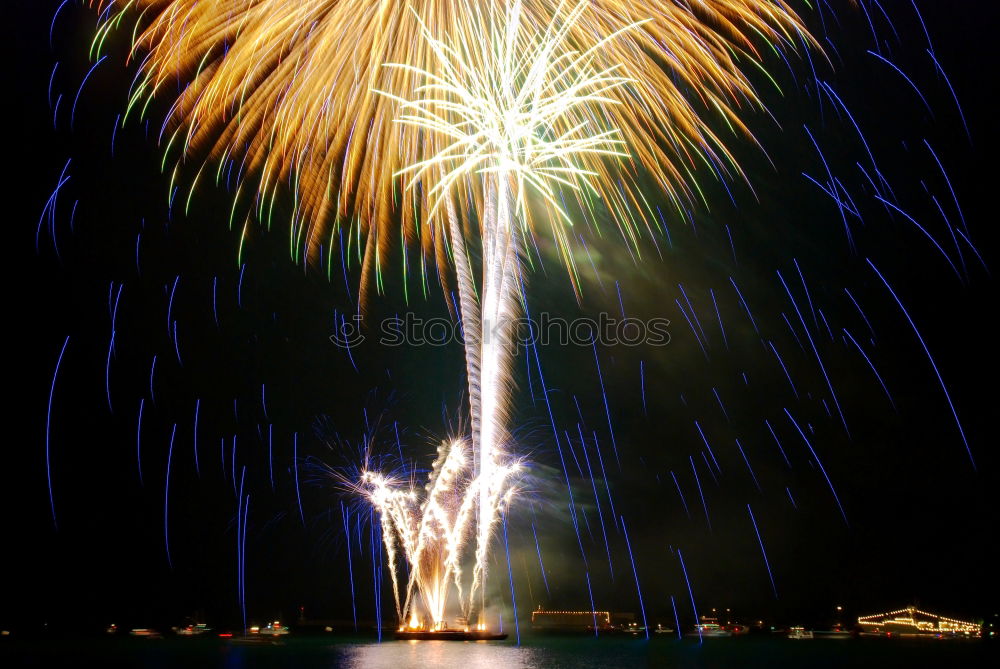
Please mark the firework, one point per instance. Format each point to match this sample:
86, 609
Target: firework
459, 112
270, 87
430, 530
521, 110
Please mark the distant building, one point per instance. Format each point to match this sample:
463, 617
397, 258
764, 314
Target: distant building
569, 621
913, 622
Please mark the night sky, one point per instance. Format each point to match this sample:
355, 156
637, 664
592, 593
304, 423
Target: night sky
918, 517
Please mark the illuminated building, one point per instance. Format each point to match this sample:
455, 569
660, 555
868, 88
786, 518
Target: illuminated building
913, 622
570, 620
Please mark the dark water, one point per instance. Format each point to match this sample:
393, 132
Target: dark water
557, 653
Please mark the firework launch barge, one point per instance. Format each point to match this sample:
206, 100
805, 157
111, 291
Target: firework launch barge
448, 635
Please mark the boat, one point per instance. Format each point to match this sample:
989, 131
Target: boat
660, 629
415, 631
799, 633
189, 630
145, 633
273, 629
709, 630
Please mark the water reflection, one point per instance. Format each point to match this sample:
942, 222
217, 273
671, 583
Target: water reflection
467, 655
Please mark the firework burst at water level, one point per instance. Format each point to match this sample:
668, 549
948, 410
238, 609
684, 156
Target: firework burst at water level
431, 529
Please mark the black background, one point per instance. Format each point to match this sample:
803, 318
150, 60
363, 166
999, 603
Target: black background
921, 520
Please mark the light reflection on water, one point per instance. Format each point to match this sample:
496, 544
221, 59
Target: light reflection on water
468, 655
544, 653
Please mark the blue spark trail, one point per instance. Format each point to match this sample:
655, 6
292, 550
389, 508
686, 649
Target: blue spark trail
166, 498
923, 25
974, 250
243, 562
694, 314
908, 80
114, 133
197, 407
239, 546
510, 578
872, 365
138, 439
790, 498
947, 180
52, 77
642, 386
745, 305
783, 368
50, 206
597, 500
350, 565
732, 244
749, 468
763, 552
927, 351
953, 94
691, 325
805, 288
604, 474
215, 305
638, 589
607, 409
232, 462
829, 173
298, 493
152, 373
778, 442
718, 315
926, 234
708, 466
399, 445
375, 565
826, 324
677, 618
138, 243
721, 405
107, 370
48, 432
170, 302
681, 494
857, 128
239, 287
694, 606
52, 26
820, 463
708, 446
951, 231
541, 565
822, 367
270, 453
177, 346
72, 116
862, 312
704, 504
593, 611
